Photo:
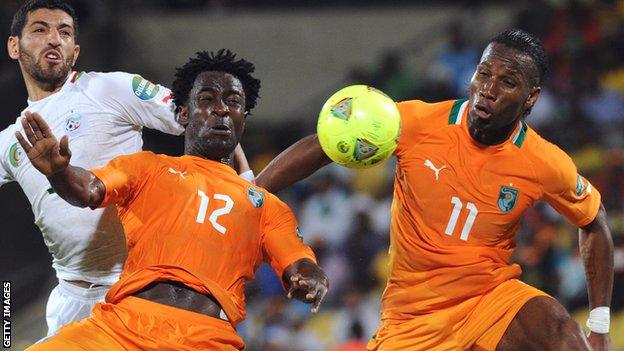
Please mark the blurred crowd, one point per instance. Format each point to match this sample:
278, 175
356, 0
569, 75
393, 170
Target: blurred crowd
344, 214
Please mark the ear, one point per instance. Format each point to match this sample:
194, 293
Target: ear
13, 47
532, 98
182, 116
76, 53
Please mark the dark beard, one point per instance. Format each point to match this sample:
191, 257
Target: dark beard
49, 79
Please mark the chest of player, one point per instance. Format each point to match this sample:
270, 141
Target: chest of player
464, 192
198, 211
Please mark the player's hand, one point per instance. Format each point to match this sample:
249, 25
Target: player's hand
43, 150
308, 289
600, 342
306, 282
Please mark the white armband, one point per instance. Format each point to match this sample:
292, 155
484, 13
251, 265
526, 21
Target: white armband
248, 175
598, 321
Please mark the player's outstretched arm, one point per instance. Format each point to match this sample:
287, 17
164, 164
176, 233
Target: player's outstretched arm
596, 247
306, 282
77, 186
294, 164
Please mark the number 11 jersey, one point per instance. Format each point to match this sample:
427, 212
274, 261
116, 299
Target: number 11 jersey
457, 206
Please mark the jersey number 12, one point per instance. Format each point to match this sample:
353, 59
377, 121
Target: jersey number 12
458, 205
203, 209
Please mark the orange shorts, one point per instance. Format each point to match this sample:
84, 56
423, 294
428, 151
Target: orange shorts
475, 324
139, 324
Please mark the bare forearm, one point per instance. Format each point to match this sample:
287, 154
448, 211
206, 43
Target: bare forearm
596, 246
297, 162
78, 186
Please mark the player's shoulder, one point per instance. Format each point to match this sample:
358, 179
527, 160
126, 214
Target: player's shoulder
443, 112
143, 156
550, 160
84, 78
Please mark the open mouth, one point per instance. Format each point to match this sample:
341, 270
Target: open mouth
53, 56
220, 129
482, 112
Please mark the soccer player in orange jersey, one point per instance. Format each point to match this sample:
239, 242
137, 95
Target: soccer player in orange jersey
195, 230
467, 170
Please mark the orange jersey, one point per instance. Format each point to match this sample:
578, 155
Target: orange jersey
196, 221
457, 206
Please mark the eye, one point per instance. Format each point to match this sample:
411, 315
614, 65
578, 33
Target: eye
39, 30
509, 83
66, 33
233, 102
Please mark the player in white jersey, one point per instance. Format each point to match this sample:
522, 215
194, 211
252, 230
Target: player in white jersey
103, 115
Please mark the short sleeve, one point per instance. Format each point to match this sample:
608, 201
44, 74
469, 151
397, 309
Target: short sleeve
123, 177
282, 244
567, 191
139, 101
11, 153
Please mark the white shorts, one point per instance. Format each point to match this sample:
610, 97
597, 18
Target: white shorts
69, 303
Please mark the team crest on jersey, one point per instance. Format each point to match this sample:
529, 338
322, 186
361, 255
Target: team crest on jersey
75, 124
16, 155
143, 88
255, 196
507, 198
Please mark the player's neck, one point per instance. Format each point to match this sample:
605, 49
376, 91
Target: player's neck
495, 137
40, 90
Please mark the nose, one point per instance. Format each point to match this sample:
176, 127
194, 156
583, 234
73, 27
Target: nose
54, 38
488, 90
220, 108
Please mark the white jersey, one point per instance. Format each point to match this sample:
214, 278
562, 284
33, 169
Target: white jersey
103, 115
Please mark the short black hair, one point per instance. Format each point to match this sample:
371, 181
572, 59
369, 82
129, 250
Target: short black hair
19, 19
222, 61
528, 44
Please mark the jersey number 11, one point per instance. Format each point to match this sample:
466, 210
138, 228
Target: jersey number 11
458, 205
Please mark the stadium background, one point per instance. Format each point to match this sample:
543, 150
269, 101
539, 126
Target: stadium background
305, 50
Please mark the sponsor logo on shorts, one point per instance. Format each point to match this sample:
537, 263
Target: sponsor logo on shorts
16, 155
143, 88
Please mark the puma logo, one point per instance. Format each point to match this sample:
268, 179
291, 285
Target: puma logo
430, 164
181, 174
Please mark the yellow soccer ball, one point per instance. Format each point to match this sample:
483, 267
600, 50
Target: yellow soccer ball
359, 126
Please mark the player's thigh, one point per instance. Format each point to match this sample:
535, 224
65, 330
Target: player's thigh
543, 324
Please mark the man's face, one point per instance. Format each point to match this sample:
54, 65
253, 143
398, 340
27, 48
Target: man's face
501, 90
216, 115
46, 48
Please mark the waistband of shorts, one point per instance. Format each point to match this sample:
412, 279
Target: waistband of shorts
149, 307
95, 293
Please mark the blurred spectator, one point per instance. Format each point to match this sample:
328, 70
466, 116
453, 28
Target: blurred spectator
458, 59
361, 247
393, 78
355, 319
